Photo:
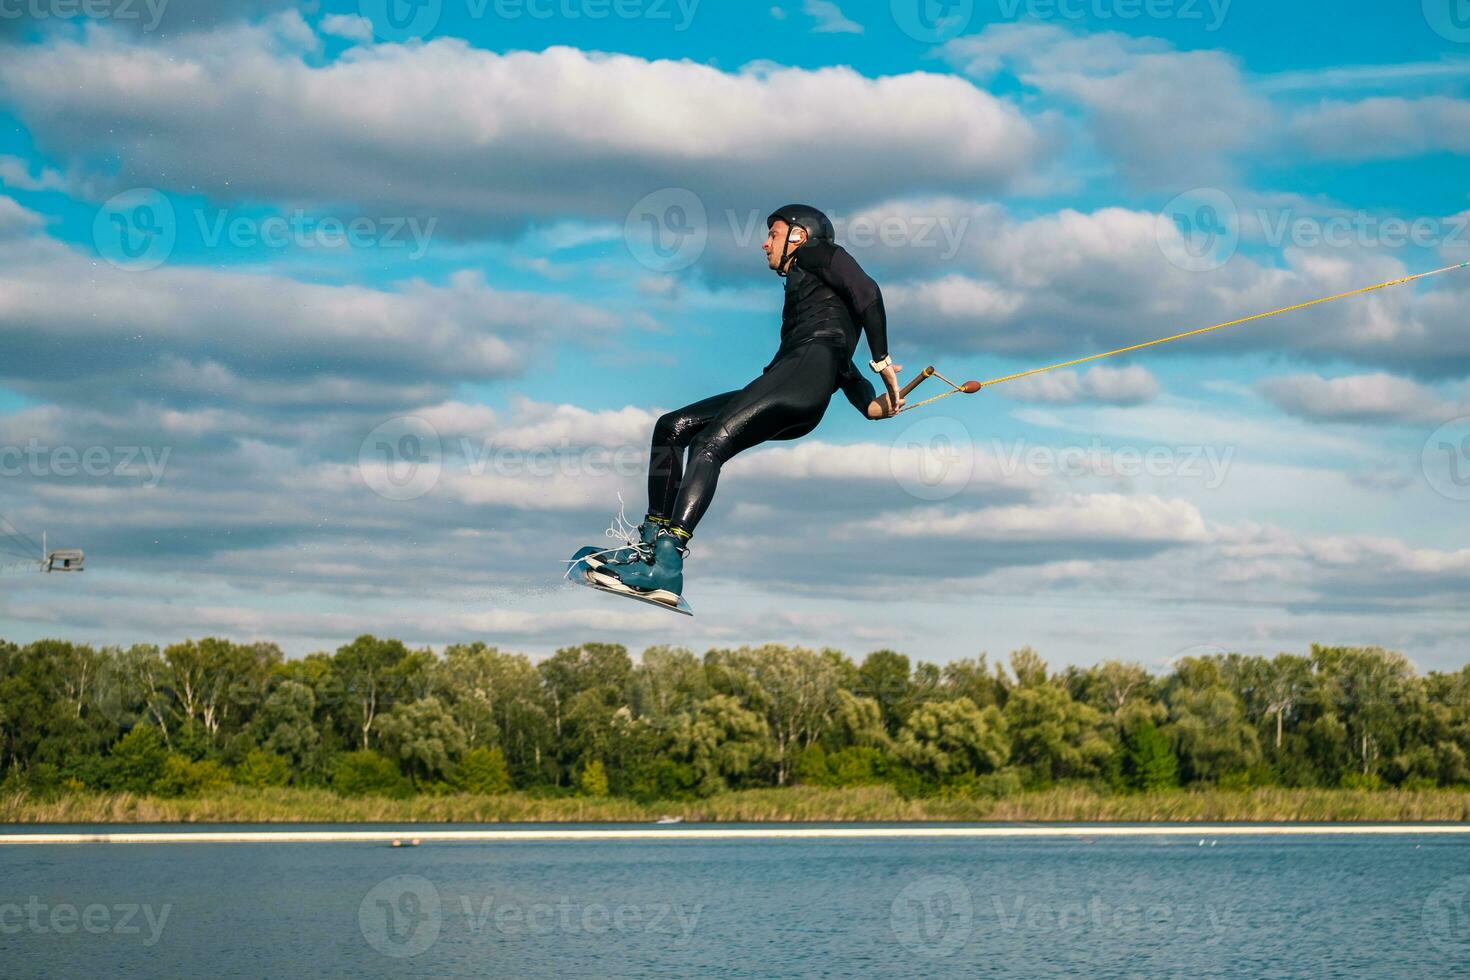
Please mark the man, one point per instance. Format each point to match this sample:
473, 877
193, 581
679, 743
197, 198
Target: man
830, 301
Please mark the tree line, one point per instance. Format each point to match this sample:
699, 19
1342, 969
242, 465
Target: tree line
378, 718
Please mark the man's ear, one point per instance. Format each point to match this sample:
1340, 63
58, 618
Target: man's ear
797, 236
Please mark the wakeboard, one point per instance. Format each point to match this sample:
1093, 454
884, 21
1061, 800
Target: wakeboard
581, 573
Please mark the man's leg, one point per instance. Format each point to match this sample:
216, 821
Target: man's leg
672, 435
786, 402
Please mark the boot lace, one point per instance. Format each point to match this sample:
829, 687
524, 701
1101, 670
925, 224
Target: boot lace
625, 533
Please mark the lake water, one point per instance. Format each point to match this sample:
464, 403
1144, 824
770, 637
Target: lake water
1151, 906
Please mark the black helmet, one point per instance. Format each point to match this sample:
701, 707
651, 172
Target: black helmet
817, 225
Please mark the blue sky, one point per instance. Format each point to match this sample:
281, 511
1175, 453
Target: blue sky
259, 257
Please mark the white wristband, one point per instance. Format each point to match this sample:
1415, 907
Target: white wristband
880, 366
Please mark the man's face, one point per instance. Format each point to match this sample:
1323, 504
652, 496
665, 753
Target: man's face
776, 243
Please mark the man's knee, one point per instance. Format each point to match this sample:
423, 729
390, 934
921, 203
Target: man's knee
716, 447
668, 429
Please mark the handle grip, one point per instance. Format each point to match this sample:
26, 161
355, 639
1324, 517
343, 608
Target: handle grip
919, 379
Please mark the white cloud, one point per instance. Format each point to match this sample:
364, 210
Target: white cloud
351, 27
1072, 284
1386, 128
830, 18
1161, 113
16, 173
55, 301
16, 219
1132, 385
487, 140
1375, 397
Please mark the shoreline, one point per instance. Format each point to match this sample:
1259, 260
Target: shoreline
793, 805
769, 833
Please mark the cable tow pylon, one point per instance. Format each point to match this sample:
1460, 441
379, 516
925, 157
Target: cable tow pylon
971, 387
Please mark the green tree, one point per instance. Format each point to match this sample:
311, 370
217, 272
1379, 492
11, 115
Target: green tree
366, 773
884, 677
482, 771
260, 769
137, 760
182, 776
285, 724
946, 738
1211, 735
423, 737
593, 780
1150, 763
371, 676
1054, 737
723, 741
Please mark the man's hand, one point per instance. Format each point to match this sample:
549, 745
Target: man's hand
891, 403
887, 405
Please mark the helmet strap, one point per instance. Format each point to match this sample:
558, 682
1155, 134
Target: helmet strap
781, 267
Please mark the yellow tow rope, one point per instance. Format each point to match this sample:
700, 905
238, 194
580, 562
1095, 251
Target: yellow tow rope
972, 386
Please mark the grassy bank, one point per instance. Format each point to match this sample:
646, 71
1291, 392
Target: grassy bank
871, 803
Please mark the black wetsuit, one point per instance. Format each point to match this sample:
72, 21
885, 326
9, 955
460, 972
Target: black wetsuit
830, 301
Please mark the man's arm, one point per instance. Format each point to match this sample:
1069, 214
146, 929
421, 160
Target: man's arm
860, 393
840, 271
